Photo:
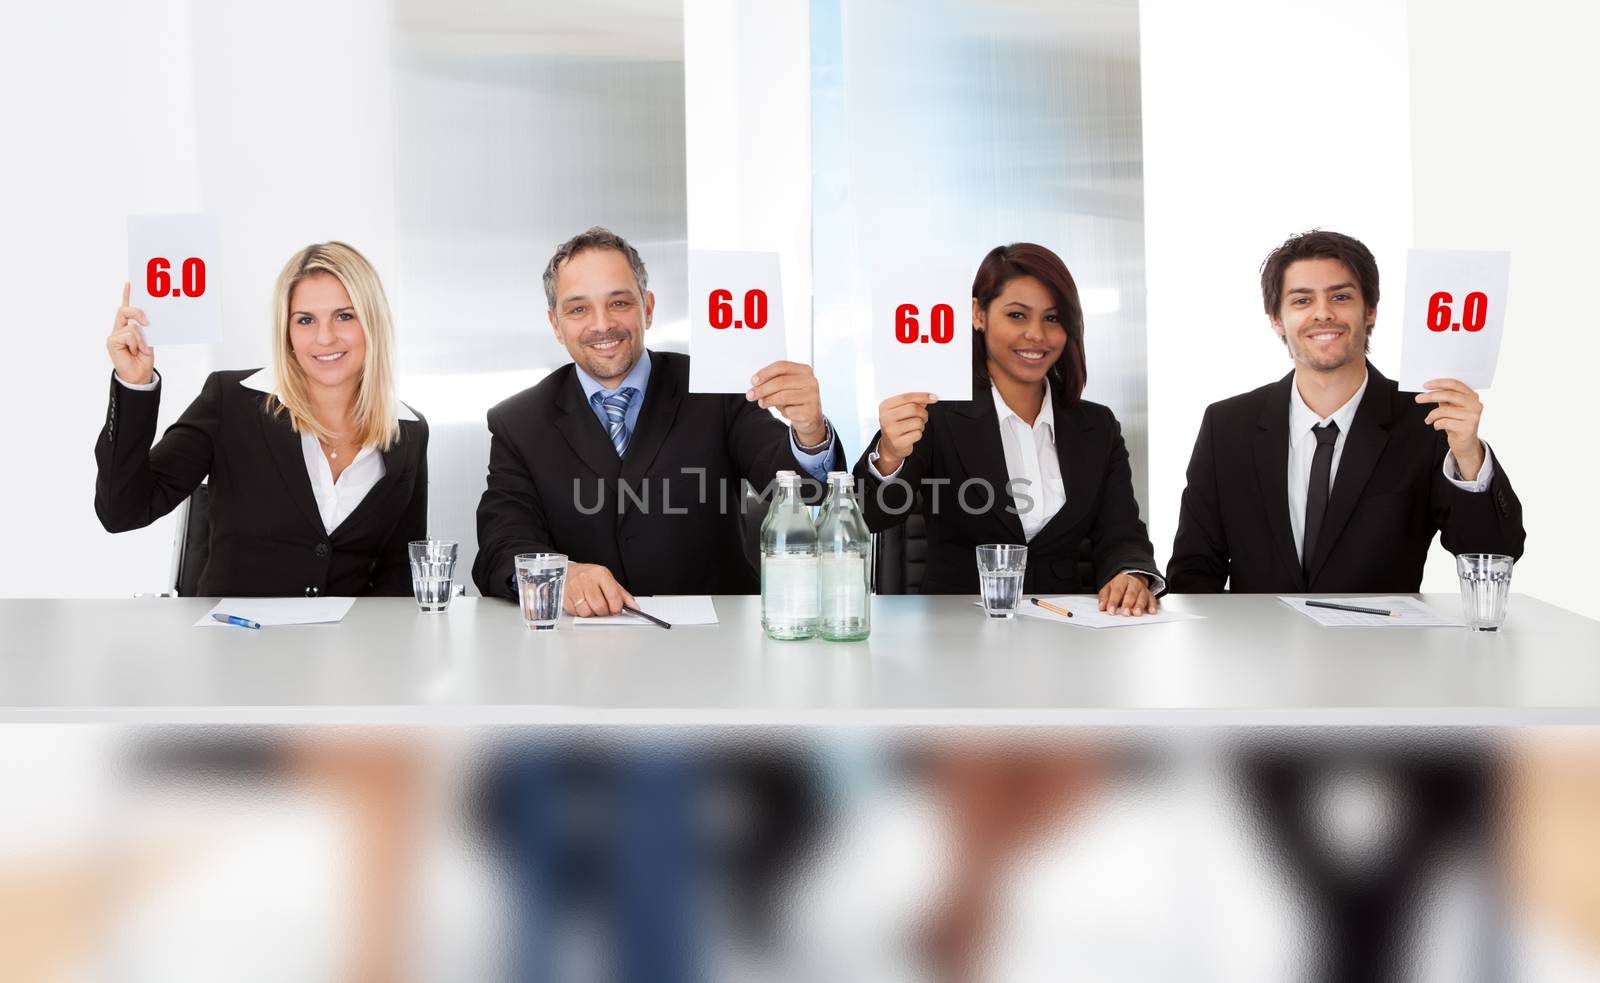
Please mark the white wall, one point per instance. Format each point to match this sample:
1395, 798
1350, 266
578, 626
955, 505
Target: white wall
747, 146
1503, 147
1468, 126
1433, 124
1260, 119
109, 110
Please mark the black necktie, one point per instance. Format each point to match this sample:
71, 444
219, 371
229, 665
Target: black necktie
1317, 492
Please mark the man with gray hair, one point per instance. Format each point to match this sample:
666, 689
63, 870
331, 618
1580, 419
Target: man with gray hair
613, 462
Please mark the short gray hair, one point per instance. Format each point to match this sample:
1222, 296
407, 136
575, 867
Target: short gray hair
597, 237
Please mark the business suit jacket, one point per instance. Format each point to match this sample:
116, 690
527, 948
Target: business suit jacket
267, 538
961, 443
1389, 497
664, 518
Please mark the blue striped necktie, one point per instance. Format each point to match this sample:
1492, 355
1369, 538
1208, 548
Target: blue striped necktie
616, 410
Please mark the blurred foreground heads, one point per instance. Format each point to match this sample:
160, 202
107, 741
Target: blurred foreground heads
667, 855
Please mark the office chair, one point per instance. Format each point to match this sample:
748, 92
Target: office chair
901, 557
191, 544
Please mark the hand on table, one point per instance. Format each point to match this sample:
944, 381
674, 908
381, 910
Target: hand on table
592, 591
1127, 593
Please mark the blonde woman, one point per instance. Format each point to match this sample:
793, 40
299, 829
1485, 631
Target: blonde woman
318, 473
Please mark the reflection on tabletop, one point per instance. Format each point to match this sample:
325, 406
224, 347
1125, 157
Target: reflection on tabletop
179, 854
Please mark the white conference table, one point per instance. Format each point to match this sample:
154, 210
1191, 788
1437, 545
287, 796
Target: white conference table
929, 661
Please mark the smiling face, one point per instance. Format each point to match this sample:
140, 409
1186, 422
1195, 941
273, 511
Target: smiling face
1323, 318
325, 332
1022, 331
600, 315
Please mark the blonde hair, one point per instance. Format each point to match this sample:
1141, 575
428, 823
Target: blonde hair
376, 422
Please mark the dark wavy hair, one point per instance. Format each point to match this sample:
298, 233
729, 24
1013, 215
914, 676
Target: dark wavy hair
1006, 263
1318, 244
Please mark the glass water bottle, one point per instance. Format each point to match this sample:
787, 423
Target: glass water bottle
788, 564
844, 549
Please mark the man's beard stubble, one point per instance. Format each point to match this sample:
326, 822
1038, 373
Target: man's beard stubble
1301, 353
590, 362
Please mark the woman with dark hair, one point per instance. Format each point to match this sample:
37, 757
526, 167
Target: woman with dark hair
1026, 460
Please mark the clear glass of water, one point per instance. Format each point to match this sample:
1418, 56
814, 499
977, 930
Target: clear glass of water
433, 572
541, 581
1485, 586
1000, 570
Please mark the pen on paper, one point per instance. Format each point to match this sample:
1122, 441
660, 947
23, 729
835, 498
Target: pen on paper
233, 619
648, 617
1052, 608
1351, 607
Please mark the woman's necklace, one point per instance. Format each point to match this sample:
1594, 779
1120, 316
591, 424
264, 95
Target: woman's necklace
333, 449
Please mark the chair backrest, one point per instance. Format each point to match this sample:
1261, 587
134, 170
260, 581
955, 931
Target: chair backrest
901, 558
191, 544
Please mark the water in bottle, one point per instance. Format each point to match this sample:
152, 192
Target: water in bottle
843, 548
788, 564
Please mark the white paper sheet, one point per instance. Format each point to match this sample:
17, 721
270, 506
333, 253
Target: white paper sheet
926, 364
684, 609
1086, 613
272, 612
722, 360
1458, 351
1409, 613
187, 246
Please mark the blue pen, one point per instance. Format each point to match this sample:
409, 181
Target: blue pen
233, 619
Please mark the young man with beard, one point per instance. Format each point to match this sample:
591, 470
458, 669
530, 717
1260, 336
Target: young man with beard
1331, 480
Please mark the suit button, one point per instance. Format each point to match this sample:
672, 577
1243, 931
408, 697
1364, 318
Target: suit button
323, 550
311, 592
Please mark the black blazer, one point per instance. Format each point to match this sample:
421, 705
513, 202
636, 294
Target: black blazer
1389, 497
267, 538
664, 518
962, 443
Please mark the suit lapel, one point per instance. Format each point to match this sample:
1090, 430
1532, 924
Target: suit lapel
290, 458
1272, 474
582, 431
660, 410
397, 461
975, 430
1076, 443
1369, 435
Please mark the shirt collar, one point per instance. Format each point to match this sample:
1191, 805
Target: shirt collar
266, 381
1047, 413
1302, 418
638, 378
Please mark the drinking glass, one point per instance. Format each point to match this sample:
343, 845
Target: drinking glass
541, 580
433, 572
1485, 585
1000, 570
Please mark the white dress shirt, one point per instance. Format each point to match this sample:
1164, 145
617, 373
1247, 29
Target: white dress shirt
1303, 448
1032, 463
335, 499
